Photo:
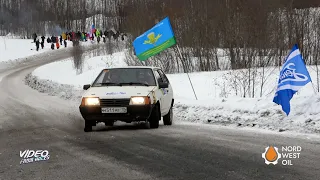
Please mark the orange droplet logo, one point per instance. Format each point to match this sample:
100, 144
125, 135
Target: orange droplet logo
271, 155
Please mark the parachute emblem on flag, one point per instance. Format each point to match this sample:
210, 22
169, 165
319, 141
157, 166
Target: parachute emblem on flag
152, 39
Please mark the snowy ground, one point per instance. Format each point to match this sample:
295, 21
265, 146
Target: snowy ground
14, 50
219, 101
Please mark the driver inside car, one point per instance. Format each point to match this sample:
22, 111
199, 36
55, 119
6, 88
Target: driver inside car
145, 78
110, 78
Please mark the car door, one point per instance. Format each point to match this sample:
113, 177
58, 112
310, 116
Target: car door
167, 92
160, 92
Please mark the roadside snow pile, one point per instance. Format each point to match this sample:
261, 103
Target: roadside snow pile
219, 95
63, 71
60, 78
256, 113
64, 91
220, 102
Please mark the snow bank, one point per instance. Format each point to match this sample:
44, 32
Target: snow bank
256, 113
219, 100
63, 71
60, 78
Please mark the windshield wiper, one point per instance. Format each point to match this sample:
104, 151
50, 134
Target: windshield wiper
131, 83
109, 83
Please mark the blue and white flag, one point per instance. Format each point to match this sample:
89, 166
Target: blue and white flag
293, 76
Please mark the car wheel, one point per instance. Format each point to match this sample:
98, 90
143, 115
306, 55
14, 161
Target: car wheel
167, 119
109, 123
154, 118
87, 126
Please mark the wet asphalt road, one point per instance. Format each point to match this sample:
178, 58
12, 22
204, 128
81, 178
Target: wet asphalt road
32, 120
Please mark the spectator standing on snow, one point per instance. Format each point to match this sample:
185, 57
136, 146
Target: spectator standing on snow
79, 36
98, 39
116, 35
49, 40
70, 36
52, 45
34, 36
83, 37
98, 34
64, 36
42, 44
88, 35
104, 38
61, 40
53, 39
37, 43
123, 36
73, 36
92, 37
43, 38
65, 43
42, 41
57, 43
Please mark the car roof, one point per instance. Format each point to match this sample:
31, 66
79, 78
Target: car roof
135, 67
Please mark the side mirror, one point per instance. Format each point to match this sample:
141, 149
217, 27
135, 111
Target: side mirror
163, 85
86, 87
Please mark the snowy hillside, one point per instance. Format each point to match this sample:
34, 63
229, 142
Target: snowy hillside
12, 49
219, 100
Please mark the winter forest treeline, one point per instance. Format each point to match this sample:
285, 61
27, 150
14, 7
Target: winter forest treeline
244, 33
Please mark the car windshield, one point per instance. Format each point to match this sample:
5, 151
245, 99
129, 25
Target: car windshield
125, 77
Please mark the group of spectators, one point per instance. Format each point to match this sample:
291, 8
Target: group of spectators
75, 37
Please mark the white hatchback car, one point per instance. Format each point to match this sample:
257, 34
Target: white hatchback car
128, 94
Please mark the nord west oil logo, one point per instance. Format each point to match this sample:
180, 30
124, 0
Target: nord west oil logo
286, 155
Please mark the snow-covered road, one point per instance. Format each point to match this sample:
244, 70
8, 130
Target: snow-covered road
33, 120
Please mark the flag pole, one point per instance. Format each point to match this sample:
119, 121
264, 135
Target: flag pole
314, 88
188, 74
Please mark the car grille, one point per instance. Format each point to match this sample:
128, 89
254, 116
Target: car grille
114, 102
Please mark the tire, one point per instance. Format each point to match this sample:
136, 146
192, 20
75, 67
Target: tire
87, 126
154, 118
167, 119
109, 123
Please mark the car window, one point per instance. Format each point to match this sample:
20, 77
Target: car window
100, 76
158, 77
163, 76
125, 77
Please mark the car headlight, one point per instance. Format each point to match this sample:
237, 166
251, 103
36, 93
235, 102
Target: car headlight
91, 101
141, 100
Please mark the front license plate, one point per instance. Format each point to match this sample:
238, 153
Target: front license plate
114, 110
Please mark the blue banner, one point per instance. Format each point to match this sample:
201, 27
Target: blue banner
293, 76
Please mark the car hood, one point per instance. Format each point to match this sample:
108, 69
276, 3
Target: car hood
113, 92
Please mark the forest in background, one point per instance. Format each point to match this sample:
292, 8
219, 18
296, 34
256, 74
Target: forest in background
251, 33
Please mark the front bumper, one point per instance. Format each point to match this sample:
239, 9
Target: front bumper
134, 113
